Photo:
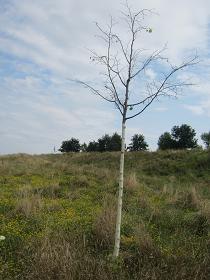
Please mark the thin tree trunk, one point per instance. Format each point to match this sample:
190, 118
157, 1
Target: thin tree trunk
120, 195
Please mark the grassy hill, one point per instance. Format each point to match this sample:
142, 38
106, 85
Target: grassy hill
57, 213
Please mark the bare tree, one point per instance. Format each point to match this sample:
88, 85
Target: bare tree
125, 65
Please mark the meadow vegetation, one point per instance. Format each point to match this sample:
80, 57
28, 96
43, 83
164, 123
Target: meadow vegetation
57, 213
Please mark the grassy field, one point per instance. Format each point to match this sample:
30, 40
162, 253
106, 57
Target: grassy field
57, 213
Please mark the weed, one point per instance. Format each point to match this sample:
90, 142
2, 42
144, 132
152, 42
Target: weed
104, 225
29, 205
188, 199
131, 182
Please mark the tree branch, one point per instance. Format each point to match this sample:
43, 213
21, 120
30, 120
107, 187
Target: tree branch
154, 56
160, 90
95, 91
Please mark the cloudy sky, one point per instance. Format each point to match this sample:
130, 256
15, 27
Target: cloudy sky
44, 45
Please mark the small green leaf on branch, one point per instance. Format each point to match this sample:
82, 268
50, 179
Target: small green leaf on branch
149, 30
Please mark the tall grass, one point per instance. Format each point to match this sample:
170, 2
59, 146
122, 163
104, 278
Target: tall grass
57, 213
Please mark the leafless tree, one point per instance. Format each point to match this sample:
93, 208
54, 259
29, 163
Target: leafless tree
126, 65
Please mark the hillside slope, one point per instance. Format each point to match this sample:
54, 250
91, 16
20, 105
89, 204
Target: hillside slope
57, 213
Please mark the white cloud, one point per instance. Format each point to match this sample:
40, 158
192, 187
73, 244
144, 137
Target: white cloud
160, 109
55, 35
195, 109
150, 73
47, 115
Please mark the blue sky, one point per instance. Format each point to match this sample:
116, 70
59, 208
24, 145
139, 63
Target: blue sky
43, 45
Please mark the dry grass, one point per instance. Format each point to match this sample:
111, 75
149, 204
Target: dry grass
29, 206
168, 190
143, 202
194, 198
51, 191
131, 182
60, 258
53, 206
144, 240
104, 225
28, 203
54, 259
205, 209
25, 191
188, 199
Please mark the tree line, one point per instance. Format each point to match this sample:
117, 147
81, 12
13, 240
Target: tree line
180, 137
106, 143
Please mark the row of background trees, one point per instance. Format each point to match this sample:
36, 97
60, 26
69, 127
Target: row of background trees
180, 137
106, 143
